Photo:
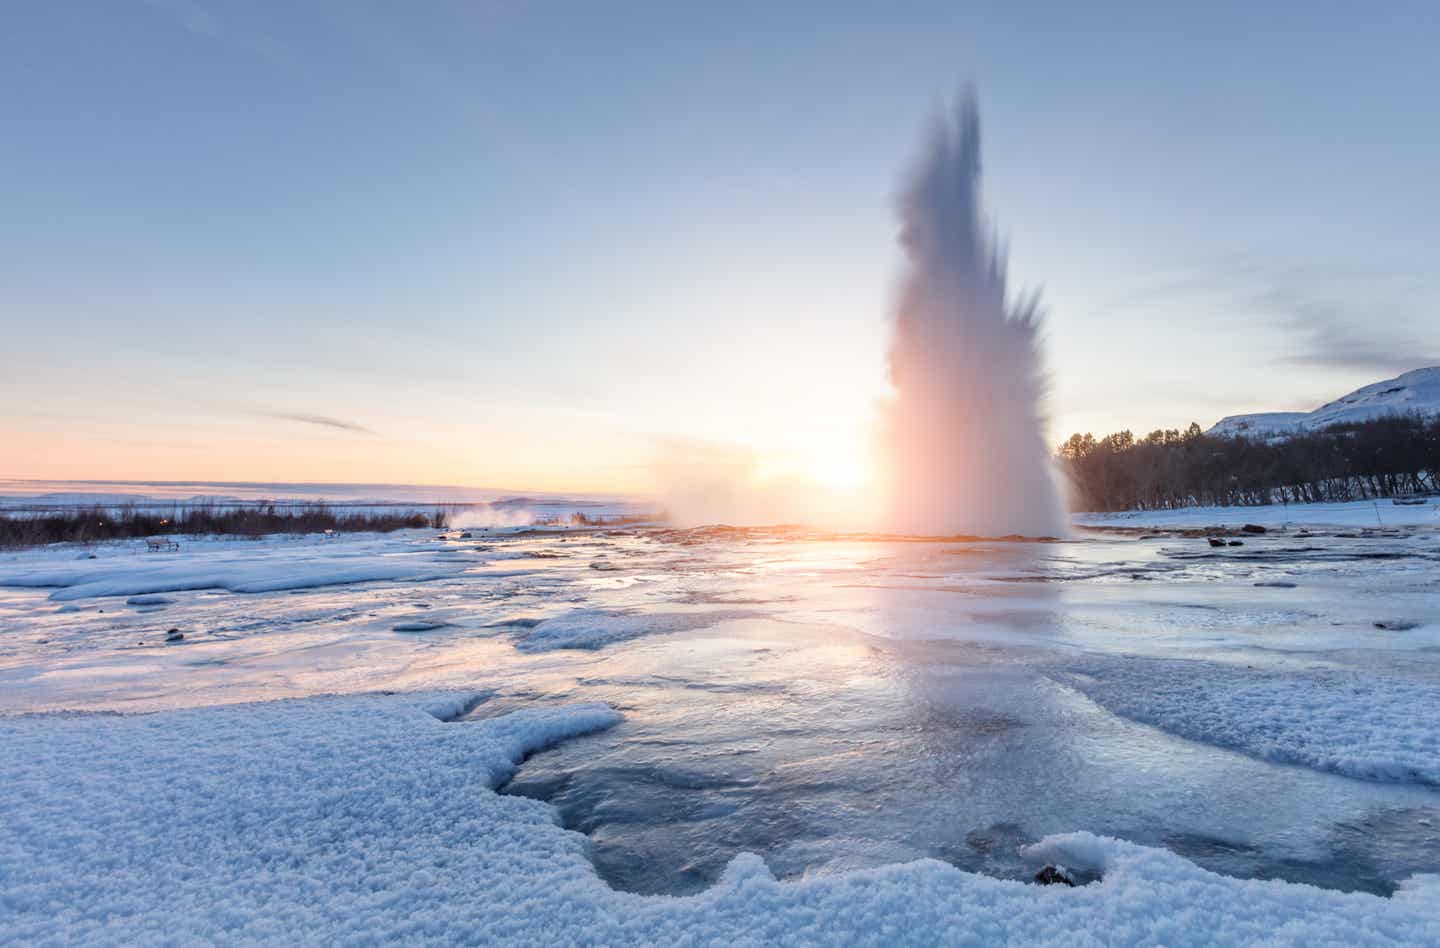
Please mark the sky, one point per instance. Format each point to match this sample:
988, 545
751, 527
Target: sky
554, 246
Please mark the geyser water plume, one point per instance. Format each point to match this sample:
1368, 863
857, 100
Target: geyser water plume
964, 446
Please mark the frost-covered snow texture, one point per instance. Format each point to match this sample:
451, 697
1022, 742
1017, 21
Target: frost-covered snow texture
1365, 726
246, 569
1416, 392
1356, 513
369, 820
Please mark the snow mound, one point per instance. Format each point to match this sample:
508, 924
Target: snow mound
367, 820
597, 628
247, 574
1365, 726
1416, 392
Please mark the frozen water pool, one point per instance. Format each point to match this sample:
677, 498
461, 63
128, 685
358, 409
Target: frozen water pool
1270, 710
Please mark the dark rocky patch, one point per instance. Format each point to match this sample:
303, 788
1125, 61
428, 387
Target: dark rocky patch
1054, 875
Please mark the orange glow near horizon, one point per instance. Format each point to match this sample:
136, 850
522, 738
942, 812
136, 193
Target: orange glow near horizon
558, 457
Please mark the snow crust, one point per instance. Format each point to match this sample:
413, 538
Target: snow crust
1365, 726
264, 568
369, 820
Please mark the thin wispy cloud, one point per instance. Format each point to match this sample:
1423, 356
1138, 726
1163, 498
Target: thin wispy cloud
1334, 347
203, 21
322, 421
1345, 320
1335, 333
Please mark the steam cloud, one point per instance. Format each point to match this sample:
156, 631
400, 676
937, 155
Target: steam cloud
965, 450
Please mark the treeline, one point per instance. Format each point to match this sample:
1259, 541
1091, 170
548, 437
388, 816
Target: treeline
94, 524
1168, 469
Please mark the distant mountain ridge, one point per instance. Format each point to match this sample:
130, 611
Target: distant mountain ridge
1416, 392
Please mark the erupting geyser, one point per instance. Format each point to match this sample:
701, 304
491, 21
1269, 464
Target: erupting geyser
965, 451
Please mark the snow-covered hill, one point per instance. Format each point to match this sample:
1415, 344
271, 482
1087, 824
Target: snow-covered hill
1416, 392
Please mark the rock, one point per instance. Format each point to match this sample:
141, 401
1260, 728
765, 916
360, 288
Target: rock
1396, 625
1216, 541
1236, 543
1253, 528
1276, 584
1054, 875
174, 635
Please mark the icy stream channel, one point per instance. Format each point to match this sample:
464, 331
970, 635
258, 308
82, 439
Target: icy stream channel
824, 756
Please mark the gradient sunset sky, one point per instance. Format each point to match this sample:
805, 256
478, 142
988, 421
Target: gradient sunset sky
540, 245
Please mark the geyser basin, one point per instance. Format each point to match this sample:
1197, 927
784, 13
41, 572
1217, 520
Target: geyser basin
846, 700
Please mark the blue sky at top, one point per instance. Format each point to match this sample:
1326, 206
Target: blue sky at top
534, 243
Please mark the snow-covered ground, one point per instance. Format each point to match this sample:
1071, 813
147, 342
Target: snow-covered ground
814, 737
1369, 514
370, 820
237, 567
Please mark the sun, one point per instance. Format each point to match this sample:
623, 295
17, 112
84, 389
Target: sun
840, 471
